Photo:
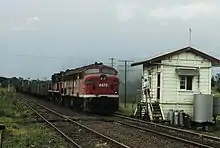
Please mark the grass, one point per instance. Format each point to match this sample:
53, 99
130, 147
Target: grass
128, 110
3, 90
20, 135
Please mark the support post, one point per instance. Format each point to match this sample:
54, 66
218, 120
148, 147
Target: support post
125, 79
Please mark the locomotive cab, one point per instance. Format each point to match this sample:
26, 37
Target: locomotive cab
102, 87
101, 83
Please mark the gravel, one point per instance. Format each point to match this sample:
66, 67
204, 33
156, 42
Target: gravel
81, 136
129, 136
198, 139
133, 137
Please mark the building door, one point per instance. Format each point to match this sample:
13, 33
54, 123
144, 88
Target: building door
158, 86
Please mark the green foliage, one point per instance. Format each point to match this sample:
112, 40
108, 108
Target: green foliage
216, 93
31, 136
20, 135
216, 82
213, 82
128, 110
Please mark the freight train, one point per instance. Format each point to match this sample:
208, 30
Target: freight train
93, 88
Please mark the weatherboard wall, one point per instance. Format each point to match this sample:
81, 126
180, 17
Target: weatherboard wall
171, 97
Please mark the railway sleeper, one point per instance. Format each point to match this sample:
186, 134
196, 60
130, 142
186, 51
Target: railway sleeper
90, 119
36, 121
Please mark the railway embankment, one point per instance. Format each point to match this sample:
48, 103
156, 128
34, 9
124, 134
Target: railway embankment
21, 127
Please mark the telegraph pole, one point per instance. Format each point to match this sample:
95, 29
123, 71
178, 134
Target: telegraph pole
125, 89
112, 61
125, 83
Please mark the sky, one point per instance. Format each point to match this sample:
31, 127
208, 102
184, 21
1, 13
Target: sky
40, 37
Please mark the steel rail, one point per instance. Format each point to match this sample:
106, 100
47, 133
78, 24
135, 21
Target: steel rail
171, 128
163, 134
166, 135
63, 134
83, 126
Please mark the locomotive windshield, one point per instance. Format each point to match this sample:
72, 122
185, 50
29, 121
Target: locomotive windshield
92, 71
108, 71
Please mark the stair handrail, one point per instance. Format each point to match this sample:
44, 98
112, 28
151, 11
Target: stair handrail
161, 110
150, 108
150, 112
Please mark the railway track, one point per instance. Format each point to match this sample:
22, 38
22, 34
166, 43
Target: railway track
107, 126
77, 134
152, 129
192, 138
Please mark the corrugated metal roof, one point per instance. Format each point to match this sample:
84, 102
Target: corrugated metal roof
163, 55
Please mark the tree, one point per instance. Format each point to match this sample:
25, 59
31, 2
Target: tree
213, 82
217, 81
3, 79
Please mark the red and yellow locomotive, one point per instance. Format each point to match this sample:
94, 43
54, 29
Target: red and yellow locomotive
93, 87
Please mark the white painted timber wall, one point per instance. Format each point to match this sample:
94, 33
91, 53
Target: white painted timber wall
171, 97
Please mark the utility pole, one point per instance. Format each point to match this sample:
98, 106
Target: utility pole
112, 61
190, 36
125, 76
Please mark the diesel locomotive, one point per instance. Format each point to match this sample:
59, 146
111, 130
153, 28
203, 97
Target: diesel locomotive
93, 88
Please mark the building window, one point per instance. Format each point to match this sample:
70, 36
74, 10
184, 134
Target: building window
186, 82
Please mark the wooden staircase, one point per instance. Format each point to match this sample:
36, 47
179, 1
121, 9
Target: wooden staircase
156, 112
154, 109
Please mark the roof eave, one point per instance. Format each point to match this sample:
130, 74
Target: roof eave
138, 63
216, 64
214, 60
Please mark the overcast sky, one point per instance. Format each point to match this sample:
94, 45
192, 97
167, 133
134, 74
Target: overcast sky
40, 37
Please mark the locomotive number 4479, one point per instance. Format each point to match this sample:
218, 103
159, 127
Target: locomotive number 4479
103, 85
